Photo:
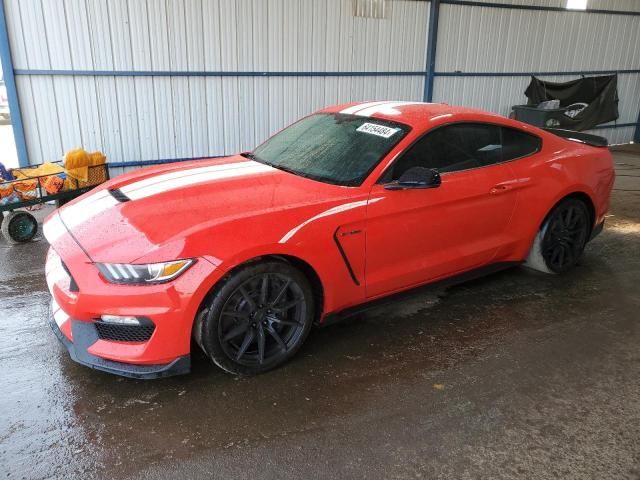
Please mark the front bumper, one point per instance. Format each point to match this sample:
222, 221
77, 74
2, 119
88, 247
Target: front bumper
85, 335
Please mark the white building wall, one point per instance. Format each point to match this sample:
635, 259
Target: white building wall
135, 118
172, 115
619, 5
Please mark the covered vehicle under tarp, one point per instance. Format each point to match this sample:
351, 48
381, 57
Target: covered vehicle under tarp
585, 102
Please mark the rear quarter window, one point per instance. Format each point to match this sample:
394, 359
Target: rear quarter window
518, 144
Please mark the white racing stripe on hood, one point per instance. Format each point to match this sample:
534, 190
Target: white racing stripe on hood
79, 213
186, 172
164, 183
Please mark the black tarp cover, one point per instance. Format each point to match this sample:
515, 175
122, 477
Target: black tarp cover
600, 93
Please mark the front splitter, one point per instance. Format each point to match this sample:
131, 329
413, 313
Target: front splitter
85, 335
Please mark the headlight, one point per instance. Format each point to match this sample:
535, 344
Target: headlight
143, 274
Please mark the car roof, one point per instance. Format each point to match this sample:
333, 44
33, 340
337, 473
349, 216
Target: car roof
418, 114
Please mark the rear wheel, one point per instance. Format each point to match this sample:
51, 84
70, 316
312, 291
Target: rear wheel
258, 318
19, 227
562, 238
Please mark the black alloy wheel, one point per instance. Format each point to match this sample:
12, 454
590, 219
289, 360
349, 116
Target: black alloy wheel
566, 235
259, 318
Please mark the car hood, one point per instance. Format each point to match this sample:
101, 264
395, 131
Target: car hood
136, 214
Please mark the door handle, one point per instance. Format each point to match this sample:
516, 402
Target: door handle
500, 188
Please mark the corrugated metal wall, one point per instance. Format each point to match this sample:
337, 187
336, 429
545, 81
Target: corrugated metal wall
195, 105
620, 5
485, 39
158, 117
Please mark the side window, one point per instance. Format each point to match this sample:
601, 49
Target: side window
516, 144
452, 148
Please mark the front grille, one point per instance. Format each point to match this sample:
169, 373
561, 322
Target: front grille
124, 333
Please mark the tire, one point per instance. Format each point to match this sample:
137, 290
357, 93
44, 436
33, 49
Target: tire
258, 318
559, 243
19, 227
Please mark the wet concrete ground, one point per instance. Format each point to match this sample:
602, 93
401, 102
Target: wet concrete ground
517, 375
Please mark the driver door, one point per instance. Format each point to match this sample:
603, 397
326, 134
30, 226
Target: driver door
419, 235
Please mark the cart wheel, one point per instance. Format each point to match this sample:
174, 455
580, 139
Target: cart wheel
19, 227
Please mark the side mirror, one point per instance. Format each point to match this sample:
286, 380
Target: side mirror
416, 177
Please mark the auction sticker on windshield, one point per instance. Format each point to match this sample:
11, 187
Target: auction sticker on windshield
379, 130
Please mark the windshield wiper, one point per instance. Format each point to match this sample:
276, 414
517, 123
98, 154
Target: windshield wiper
251, 156
254, 157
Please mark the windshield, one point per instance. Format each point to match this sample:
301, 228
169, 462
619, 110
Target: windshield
333, 148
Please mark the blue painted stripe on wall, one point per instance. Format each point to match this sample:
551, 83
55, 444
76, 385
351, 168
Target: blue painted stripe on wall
12, 91
537, 74
539, 8
169, 73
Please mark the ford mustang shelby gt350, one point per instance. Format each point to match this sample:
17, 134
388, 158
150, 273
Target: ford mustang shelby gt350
346, 206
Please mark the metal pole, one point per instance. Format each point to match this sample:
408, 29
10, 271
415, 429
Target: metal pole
12, 91
432, 41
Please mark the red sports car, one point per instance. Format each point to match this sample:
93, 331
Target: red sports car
346, 206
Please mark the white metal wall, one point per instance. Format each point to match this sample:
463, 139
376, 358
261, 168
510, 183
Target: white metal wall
137, 118
620, 5
160, 117
485, 39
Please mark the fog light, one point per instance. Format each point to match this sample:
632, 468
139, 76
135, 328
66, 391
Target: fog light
120, 320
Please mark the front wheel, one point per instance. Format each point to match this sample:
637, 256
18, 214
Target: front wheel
561, 239
258, 318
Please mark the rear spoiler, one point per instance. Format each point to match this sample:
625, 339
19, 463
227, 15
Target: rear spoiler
586, 138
